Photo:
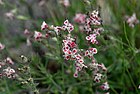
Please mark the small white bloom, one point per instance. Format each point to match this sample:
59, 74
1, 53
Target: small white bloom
44, 25
37, 35
26, 32
9, 60
139, 87
2, 46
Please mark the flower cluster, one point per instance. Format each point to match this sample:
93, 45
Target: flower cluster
38, 36
68, 26
71, 52
92, 38
9, 72
88, 22
132, 20
90, 52
95, 20
5, 68
93, 29
70, 48
98, 70
92, 26
80, 18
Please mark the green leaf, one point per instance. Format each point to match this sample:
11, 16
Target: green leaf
21, 17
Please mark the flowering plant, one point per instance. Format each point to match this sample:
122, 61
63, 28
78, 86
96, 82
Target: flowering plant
83, 58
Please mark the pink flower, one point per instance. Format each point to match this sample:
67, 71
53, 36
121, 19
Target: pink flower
26, 32
80, 18
94, 18
104, 86
2, 46
90, 52
57, 29
75, 74
9, 72
46, 35
97, 77
78, 56
74, 51
44, 25
93, 50
132, 20
37, 35
68, 26
92, 38
9, 60
68, 48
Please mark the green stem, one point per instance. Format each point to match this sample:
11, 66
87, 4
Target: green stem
7, 87
61, 60
133, 37
132, 80
50, 77
132, 44
126, 35
114, 90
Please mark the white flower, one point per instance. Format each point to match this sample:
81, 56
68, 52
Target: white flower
2, 46
57, 29
37, 35
26, 32
105, 86
139, 87
68, 26
97, 77
44, 25
9, 60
